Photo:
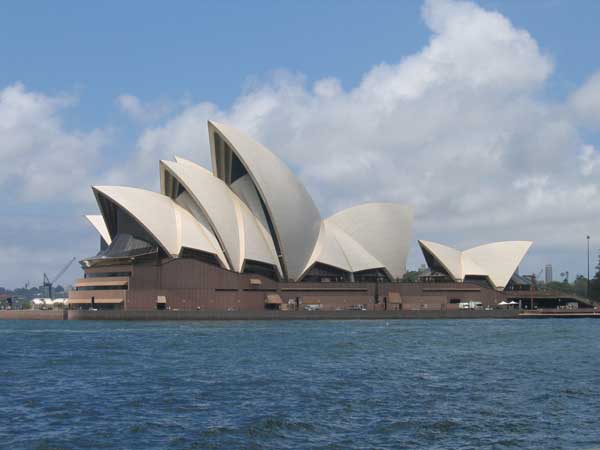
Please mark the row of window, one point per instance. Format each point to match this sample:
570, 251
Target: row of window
107, 274
102, 288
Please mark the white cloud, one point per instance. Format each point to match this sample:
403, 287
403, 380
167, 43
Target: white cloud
589, 160
144, 111
586, 101
328, 88
39, 157
470, 49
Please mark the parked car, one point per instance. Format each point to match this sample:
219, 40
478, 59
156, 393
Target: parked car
312, 307
358, 308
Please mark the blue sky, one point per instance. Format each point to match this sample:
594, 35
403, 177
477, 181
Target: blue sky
211, 50
78, 62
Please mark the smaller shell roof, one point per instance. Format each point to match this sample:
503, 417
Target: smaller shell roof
98, 223
169, 224
256, 240
196, 236
448, 257
382, 229
240, 232
328, 251
358, 257
152, 211
214, 198
498, 261
185, 200
245, 190
337, 249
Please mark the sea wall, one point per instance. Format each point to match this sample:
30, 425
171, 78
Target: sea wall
33, 314
288, 315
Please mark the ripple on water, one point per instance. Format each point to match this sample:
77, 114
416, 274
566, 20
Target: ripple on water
287, 385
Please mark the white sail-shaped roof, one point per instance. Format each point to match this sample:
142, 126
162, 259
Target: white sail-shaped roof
497, 261
337, 249
449, 258
328, 251
245, 190
154, 212
185, 200
194, 235
214, 198
241, 233
171, 226
98, 223
256, 240
358, 257
382, 229
295, 218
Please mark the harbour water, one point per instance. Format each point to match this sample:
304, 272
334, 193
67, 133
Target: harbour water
443, 384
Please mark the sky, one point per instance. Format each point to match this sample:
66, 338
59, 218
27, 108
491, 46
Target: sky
485, 116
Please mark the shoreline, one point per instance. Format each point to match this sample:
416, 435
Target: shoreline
121, 315
251, 315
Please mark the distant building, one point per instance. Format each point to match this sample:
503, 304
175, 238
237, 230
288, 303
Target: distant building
548, 278
5, 301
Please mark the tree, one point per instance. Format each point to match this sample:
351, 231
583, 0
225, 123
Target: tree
410, 276
560, 286
595, 284
580, 286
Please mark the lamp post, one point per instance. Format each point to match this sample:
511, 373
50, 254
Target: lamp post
588, 267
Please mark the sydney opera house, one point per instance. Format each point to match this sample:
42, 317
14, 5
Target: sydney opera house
248, 236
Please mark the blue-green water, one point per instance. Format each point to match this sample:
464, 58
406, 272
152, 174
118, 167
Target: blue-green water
471, 384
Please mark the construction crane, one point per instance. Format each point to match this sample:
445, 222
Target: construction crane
48, 284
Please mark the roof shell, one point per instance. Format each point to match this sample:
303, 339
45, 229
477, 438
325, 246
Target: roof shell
98, 223
196, 236
169, 224
241, 234
498, 261
245, 190
214, 198
383, 229
328, 251
448, 257
337, 249
295, 218
151, 210
358, 257
256, 240
186, 201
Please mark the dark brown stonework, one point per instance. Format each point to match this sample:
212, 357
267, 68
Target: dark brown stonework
192, 285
